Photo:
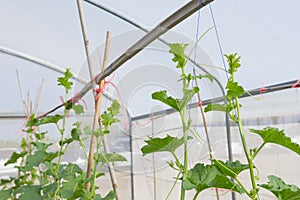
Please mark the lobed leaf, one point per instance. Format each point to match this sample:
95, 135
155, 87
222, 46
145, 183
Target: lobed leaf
276, 136
177, 104
201, 177
281, 190
168, 143
233, 62
78, 109
64, 81
178, 51
168, 100
234, 90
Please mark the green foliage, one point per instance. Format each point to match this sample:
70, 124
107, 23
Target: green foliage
201, 177
42, 173
234, 90
110, 157
108, 117
65, 81
233, 62
229, 168
14, 157
177, 104
276, 136
168, 143
78, 109
178, 51
281, 190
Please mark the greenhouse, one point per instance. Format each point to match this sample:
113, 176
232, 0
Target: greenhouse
136, 100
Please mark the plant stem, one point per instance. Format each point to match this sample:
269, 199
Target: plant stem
246, 150
61, 130
196, 195
185, 130
173, 186
258, 150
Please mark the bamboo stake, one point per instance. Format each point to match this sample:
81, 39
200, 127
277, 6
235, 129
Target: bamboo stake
206, 131
104, 140
97, 121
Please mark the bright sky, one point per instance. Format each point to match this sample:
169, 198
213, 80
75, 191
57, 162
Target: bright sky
265, 33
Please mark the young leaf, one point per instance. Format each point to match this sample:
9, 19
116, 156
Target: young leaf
168, 100
78, 109
282, 190
178, 51
64, 81
276, 136
187, 96
114, 109
108, 117
230, 168
111, 157
202, 177
208, 76
233, 62
169, 144
88, 131
234, 90
32, 121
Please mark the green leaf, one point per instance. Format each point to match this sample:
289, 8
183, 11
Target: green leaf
110, 196
208, 76
276, 136
64, 81
168, 100
234, 90
108, 117
187, 96
202, 177
178, 51
5, 194
68, 188
14, 157
282, 190
34, 160
169, 144
30, 192
78, 109
177, 104
48, 189
216, 107
233, 62
230, 168
97, 133
32, 121
111, 157
50, 119
114, 109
